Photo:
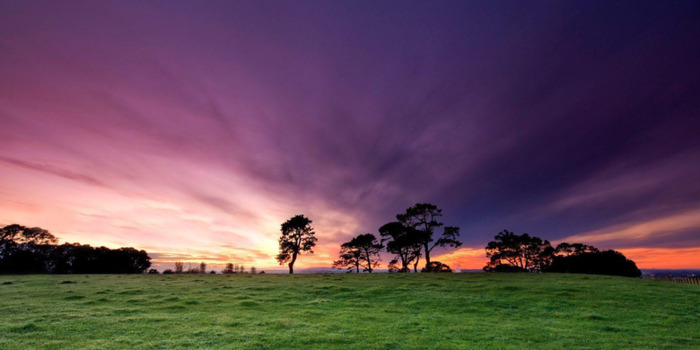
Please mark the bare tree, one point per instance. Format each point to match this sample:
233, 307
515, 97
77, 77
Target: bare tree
179, 266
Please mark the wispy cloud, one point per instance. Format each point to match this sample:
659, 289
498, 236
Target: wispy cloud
195, 135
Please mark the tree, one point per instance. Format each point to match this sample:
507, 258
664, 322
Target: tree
18, 234
422, 218
228, 269
297, 237
402, 241
607, 262
179, 267
202, 267
34, 250
436, 266
23, 242
360, 252
521, 251
567, 249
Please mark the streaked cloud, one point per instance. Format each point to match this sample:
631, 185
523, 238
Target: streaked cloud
139, 124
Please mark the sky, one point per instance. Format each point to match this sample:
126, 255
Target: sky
194, 129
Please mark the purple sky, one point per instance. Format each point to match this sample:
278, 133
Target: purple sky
193, 129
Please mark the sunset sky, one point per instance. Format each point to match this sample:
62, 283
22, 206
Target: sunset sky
194, 129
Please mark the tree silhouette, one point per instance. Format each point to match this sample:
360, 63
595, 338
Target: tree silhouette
14, 234
402, 241
34, 250
360, 252
228, 269
567, 249
607, 262
436, 266
297, 237
520, 251
422, 218
179, 267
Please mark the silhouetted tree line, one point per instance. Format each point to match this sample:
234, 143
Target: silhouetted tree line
409, 238
34, 250
510, 252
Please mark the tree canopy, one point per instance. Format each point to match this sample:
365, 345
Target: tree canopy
403, 242
297, 237
525, 252
436, 266
421, 218
607, 262
510, 252
360, 252
34, 250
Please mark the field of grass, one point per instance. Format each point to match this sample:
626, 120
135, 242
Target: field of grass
342, 311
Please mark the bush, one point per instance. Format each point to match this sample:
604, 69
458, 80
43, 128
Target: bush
436, 266
153, 272
608, 262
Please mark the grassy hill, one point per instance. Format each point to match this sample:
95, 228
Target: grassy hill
342, 311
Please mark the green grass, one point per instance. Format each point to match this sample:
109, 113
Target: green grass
325, 311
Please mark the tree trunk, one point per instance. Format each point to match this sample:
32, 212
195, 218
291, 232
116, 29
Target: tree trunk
404, 265
291, 263
427, 254
369, 261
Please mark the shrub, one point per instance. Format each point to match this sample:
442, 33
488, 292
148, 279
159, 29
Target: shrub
436, 266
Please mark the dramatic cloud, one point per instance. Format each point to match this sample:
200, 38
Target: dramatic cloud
194, 130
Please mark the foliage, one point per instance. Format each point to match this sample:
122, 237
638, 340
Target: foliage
347, 311
17, 234
228, 269
33, 250
436, 266
360, 252
526, 252
566, 249
422, 219
297, 237
607, 262
517, 253
402, 241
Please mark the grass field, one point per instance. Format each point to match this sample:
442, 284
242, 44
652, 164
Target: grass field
342, 311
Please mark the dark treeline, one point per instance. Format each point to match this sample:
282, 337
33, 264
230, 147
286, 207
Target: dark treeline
412, 236
510, 252
35, 250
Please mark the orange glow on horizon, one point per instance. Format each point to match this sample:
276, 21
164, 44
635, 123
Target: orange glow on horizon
645, 258
664, 258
